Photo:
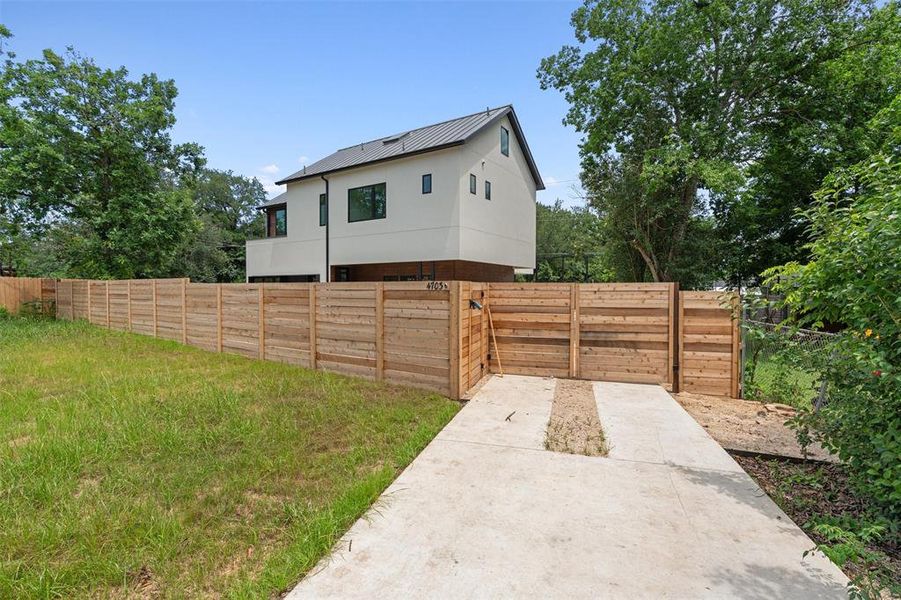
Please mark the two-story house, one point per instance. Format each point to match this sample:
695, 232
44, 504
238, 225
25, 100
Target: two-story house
454, 200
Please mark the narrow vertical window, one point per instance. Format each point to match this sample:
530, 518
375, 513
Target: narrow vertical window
427, 183
472, 183
505, 141
323, 209
487, 190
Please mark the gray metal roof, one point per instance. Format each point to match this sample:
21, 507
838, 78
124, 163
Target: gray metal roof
416, 141
280, 199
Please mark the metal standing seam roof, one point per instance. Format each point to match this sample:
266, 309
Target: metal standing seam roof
416, 141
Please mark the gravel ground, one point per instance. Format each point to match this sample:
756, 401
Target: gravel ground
574, 426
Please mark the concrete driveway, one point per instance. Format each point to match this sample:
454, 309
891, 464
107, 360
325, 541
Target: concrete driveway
486, 512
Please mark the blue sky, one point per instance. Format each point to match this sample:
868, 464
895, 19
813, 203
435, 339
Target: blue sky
267, 87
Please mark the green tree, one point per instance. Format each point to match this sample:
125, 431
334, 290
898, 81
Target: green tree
86, 152
676, 99
811, 134
569, 245
227, 204
853, 278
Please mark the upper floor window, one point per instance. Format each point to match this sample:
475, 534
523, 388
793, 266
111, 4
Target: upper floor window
427, 183
472, 183
505, 141
366, 203
277, 221
487, 190
323, 209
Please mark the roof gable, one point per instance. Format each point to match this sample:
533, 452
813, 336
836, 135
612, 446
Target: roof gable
417, 141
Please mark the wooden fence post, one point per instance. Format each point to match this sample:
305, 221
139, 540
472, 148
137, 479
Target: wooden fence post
107, 304
313, 361
680, 339
261, 334
129, 304
155, 324
184, 311
736, 345
454, 340
574, 323
89, 301
379, 331
674, 339
218, 317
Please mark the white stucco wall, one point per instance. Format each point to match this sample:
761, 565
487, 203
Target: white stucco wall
417, 226
448, 224
500, 230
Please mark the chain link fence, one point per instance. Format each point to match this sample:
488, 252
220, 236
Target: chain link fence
783, 364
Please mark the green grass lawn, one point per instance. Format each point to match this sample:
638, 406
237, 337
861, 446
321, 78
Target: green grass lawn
131, 466
776, 381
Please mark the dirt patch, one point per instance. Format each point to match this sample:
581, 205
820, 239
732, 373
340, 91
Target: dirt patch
574, 426
748, 425
809, 492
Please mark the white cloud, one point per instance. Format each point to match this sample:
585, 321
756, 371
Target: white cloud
268, 184
271, 169
303, 160
551, 181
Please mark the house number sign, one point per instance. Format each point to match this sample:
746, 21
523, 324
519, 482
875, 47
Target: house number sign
437, 285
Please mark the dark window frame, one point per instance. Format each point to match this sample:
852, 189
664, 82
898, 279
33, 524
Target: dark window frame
427, 189
272, 221
505, 141
487, 190
473, 183
374, 215
323, 203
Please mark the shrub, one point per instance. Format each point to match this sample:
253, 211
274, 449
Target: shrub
852, 279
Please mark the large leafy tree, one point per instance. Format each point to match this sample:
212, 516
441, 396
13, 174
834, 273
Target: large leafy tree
822, 128
86, 152
227, 204
678, 98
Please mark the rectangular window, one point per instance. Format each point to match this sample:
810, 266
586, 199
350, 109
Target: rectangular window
323, 209
505, 141
472, 183
427, 183
487, 190
277, 221
366, 203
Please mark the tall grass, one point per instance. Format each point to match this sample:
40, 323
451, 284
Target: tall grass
130, 465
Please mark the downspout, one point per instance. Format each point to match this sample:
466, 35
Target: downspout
328, 268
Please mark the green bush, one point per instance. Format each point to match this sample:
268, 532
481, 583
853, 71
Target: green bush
852, 279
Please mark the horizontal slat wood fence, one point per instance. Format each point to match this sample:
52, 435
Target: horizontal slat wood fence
394, 331
15, 292
437, 335
613, 332
709, 343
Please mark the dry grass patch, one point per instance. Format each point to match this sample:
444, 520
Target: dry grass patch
574, 427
